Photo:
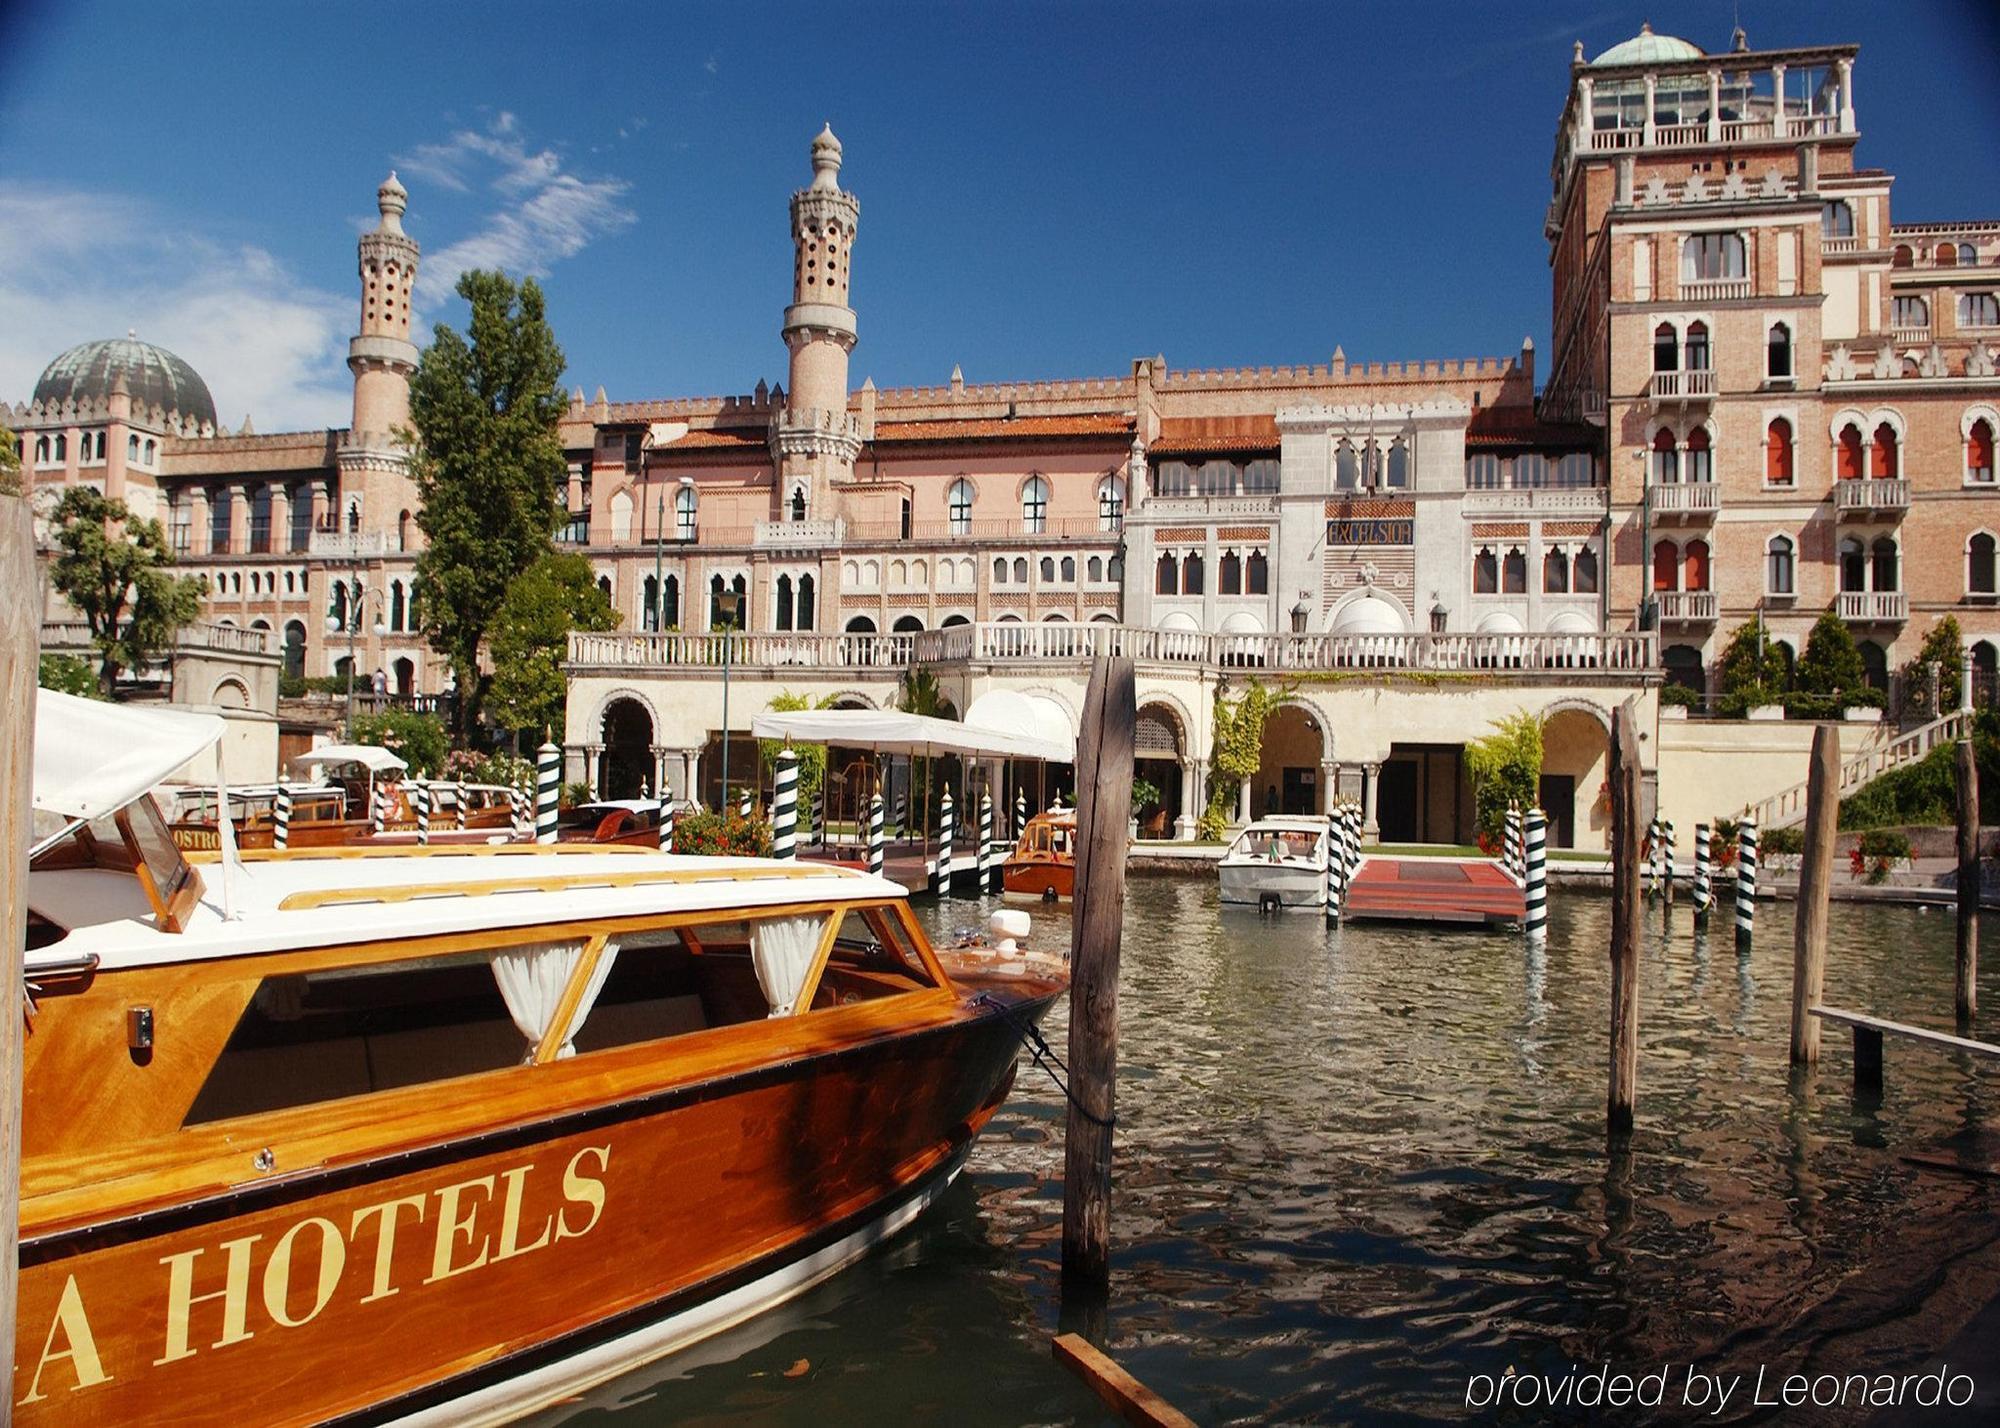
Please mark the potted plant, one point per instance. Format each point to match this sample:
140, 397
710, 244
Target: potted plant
1147, 808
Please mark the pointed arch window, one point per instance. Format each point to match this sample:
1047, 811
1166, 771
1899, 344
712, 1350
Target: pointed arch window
1555, 572
783, 613
798, 504
1167, 575
1111, 504
1694, 575
1398, 473
1485, 572
1666, 348
685, 506
649, 614
1697, 347
1847, 460
1852, 558
1346, 467
1583, 573
1191, 574
1700, 460
1778, 452
1666, 566
1257, 574
1229, 574
1514, 572
805, 609
1884, 560
398, 612
1979, 565
1035, 506
958, 506
1882, 452
1780, 566
1666, 460
1979, 452
670, 602
1778, 351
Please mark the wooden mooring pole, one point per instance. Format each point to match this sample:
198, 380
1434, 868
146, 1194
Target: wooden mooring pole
20, 632
1968, 881
1104, 803
1815, 892
1625, 918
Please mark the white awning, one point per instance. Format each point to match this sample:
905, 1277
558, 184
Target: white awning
369, 756
889, 731
1011, 711
93, 758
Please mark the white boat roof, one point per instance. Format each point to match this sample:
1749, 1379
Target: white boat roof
93, 758
108, 916
1288, 823
890, 731
370, 757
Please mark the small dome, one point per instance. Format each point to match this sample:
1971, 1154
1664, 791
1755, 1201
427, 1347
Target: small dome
1369, 615
153, 375
1649, 48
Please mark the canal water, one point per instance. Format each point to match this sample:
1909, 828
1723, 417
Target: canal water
1356, 1166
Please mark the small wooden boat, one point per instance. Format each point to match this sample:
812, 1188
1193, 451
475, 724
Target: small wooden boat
1043, 862
633, 821
1277, 862
442, 1137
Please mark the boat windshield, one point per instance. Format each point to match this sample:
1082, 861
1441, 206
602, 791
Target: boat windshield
1278, 845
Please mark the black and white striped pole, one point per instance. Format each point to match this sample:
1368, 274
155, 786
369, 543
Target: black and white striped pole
378, 809
1703, 893
1354, 816
1020, 812
1652, 859
422, 789
548, 787
1667, 860
876, 859
667, 818
461, 818
747, 808
902, 815
1535, 917
281, 825
989, 860
1336, 864
941, 869
1746, 880
1513, 835
785, 807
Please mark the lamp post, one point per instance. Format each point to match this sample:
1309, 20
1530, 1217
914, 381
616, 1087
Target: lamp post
726, 604
353, 623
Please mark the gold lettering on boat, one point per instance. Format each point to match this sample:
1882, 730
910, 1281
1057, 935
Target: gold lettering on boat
79, 1345
450, 1227
181, 1298
385, 1240
583, 1187
510, 1218
278, 1272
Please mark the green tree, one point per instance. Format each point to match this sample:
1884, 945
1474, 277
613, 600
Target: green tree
488, 463
529, 638
66, 674
1831, 664
812, 757
418, 739
1944, 646
1752, 671
1506, 768
116, 571
1238, 753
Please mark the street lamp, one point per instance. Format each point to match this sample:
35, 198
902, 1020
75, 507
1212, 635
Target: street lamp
353, 624
1301, 612
726, 604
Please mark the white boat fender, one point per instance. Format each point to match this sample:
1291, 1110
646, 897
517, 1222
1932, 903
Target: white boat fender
1009, 927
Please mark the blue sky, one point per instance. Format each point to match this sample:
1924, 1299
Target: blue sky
1047, 190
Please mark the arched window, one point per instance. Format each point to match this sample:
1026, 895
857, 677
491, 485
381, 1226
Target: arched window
1666, 461
396, 607
1883, 452
62, 447
295, 648
1482, 473
1229, 574
1778, 351
1514, 572
1902, 257
1191, 574
1666, 348
1262, 477
1583, 573
1167, 576
1778, 452
999, 570
1114, 569
1974, 310
1967, 254
1946, 255
1695, 567
1257, 574
1883, 560
1555, 572
1069, 570
1485, 571
403, 531
649, 613
1682, 665
1979, 452
1111, 504
353, 516
1711, 257
686, 504
1346, 467
1398, 474
1020, 570
805, 602
1852, 558
1697, 347
782, 615
670, 603
1979, 565
1666, 566
1035, 506
1847, 463
1048, 570
1836, 219
151, 449
1174, 478
1094, 570
1700, 460
1779, 573
41, 449
336, 607
798, 504
958, 505
132, 447
1909, 312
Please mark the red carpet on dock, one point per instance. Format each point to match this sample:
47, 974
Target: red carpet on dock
1467, 890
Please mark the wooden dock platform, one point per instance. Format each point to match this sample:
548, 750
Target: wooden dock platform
1454, 890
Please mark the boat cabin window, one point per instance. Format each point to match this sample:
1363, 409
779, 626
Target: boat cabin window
321, 1036
1278, 845
133, 840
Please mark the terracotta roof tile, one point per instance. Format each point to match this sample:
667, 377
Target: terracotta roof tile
733, 440
1520, 427
1215, 435
1004, 428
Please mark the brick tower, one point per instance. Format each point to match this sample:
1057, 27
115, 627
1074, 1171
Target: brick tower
813, 439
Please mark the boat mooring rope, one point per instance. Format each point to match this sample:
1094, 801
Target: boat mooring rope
1043, 1055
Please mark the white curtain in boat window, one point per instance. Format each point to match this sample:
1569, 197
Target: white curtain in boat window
781, 949
531, 981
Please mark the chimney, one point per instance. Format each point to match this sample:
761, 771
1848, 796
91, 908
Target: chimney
1626, 169
1808, 169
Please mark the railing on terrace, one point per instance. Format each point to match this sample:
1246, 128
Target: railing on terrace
1781, 810
351, 545
1687, 607
986, 529
1830, 244
1874, 607
1002, 642
63, 636
1908, 336
790, 533
1714, 289
1880, 493
1591, 500
1697, 384
1686, 498
1209, 508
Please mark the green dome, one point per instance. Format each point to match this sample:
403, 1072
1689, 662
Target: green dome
153, 375
1648, 48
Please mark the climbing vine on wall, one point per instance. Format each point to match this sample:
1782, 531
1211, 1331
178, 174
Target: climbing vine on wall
1239, 749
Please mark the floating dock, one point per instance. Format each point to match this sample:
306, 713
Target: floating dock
1454, 890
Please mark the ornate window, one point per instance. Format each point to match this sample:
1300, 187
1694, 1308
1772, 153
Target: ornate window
1778, 351
1666, 348
1666, 461
1191, 574
1069, 570
1035, 506
1694, 566
1257, 574
1111, 504
1167, 575
1700, 460
1398, 471
1882, 452
1697, 347
1780, 568
958, 503
1555, 572
684, 513
1979, 565
1666, 566
1346, 467
798, 504
1847, 461
1778, 452
1974, 310
1048, 570
1229, 574
1583, 573
1979, 452
1514, 572
1485, 571
1884, 558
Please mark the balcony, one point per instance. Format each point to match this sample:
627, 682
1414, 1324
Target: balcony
1563, 500
1686, 500
816, 534
1831, 245
350, 545
1681, 388
1871, 499
1911, 336
986, 530
1686, 607
1873, 607
1714, 289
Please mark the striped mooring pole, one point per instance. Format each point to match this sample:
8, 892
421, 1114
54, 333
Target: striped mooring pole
1652, 859
1020, 812
667, 817
1667, 860
989, 860
941, 870
819, 818
785, 808
281, 825
1535, 917
1703, 894
1336, 864
548, 787
876, 858
378, 809
747, 808
1746, 880
460, 809
1513, 859
1353, 850
422, 790
902, 815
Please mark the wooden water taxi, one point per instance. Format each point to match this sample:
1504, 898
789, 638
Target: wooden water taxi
1279, 861
339, 1135
1043, 862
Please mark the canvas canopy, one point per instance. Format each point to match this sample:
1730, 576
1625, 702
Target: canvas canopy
93, 758
375, 760
888, 731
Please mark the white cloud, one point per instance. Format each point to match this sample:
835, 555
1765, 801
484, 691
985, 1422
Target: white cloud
77, 265
546, 213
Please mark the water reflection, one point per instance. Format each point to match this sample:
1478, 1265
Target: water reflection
1356, 1165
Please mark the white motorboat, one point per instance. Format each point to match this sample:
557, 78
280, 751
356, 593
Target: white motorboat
1277, 861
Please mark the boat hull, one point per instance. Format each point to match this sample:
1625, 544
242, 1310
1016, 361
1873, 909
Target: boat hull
479, 1279
1040, 880
1250, 883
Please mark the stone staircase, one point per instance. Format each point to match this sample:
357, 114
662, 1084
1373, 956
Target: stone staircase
1788, 808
